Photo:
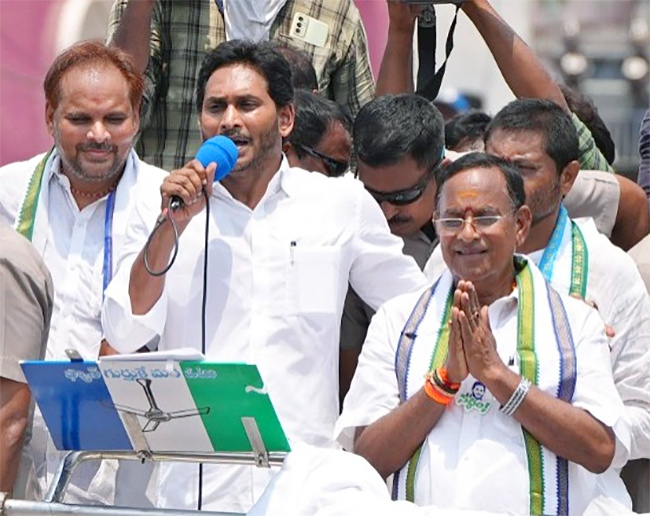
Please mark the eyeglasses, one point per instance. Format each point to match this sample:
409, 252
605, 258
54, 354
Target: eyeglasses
453, 225
406, 196
333, 166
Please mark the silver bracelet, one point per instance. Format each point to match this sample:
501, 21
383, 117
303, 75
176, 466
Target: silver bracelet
517, 397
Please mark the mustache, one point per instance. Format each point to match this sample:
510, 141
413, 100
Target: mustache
398, 219
235, 134
92, 146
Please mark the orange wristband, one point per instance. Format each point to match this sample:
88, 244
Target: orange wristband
438, 379
436, 394
444, 376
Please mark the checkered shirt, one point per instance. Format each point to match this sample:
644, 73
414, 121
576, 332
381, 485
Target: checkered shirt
183, 31
590, 156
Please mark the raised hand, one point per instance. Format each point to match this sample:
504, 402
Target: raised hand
456, 365
479, 345
402, 15
188, 183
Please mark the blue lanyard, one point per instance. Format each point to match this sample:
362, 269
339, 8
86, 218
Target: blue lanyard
107, 271
550, 254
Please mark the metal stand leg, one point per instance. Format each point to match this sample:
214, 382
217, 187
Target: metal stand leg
64, 471
257, 443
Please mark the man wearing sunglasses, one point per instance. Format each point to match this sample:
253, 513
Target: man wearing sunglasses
399, 145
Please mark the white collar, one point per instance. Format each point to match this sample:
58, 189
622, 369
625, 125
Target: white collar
123, 195
283, 180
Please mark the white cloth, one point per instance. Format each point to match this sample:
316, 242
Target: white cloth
250, 19
322, 482
478, 461
615, 285
277, 280
595, 194
71, 243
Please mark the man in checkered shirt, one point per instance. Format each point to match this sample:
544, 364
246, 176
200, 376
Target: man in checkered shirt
169, 40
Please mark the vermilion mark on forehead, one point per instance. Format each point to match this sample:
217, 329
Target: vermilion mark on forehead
468, 195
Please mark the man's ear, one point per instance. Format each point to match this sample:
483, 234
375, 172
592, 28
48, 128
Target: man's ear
523, 220
286, 118
568, 176
49, 118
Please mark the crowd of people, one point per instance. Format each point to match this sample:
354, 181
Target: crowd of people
447, 314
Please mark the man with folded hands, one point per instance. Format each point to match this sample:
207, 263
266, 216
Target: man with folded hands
488, 390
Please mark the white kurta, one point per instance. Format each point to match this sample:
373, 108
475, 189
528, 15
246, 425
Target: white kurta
71, 242
615, 285
277, 280
476, 459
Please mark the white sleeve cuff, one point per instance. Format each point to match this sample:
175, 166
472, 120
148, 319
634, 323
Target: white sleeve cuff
125, 331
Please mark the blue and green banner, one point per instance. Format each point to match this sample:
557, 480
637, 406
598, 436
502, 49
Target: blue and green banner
175, 406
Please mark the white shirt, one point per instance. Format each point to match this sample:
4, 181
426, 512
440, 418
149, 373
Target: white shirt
71, 242
474, 461
277, 280
615, 285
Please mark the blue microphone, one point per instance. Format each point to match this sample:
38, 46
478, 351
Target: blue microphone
220, 150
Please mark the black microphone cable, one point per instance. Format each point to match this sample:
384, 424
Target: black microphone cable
164, 270
161, 220
204, 301
204, 297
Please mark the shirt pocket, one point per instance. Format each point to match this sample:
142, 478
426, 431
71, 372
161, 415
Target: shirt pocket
313, 279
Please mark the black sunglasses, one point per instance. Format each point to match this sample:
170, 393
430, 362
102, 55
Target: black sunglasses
408, 195
334, 167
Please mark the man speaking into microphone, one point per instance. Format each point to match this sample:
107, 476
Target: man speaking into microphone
282, 245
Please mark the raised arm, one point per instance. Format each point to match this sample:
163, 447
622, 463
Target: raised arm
519, 66
396, 70
187, 183
131, 29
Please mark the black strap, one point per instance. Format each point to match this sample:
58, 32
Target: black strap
430, 89
426, 45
